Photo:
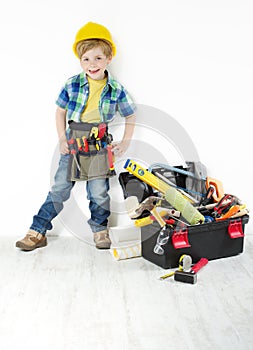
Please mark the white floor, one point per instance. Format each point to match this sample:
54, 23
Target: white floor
71, 296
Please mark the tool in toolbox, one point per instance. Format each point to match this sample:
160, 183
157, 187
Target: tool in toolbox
232, 211
206, 210
209, 219
135, 209
210, 206
191, 276
146, 176
218, 192
175, 169
150, 219
71, 143
217, 185
208, 196
224, 211
243, 211
185, 194
174, 197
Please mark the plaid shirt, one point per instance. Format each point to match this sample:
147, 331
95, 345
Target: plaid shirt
114, 98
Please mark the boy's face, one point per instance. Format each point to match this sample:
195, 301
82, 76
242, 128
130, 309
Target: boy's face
94, 63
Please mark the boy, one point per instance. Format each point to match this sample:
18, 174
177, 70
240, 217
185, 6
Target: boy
88, 101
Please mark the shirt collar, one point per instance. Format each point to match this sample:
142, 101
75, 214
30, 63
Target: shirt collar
110, 81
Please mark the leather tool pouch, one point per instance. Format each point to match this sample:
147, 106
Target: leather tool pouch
94, 162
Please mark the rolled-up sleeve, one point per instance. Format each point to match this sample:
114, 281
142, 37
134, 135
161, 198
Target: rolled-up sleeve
126, 106
63, 98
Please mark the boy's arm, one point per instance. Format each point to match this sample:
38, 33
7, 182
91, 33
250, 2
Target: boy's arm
120, 148
60, 117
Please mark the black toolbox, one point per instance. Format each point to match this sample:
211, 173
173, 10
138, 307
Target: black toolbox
212, 240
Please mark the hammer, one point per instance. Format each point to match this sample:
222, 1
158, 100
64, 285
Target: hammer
190, 277
150, 205
135, 209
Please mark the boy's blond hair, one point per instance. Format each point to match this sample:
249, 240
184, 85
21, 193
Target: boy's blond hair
86, 45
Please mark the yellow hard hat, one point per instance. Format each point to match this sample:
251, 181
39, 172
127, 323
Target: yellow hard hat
93, 30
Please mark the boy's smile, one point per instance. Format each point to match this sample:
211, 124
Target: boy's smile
94, 63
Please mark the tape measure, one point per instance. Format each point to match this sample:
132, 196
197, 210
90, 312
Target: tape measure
185, 263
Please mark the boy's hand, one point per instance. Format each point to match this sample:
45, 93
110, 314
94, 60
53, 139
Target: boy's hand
120, 148
63, 145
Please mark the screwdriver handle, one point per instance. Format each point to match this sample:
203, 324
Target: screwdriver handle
85, 144
101, 130
79, 143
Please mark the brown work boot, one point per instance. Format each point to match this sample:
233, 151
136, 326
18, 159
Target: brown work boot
32, 241
102, 239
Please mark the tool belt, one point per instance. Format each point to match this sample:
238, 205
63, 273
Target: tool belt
91, 152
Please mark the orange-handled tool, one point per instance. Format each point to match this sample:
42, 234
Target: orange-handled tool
219, 192
232, 211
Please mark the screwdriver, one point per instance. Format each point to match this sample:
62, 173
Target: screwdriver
79, 144
82, 144
72, 149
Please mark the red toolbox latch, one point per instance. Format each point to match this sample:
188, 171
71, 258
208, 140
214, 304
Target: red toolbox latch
235, 229
180, 238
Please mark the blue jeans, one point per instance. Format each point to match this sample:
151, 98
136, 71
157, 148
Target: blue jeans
97, 194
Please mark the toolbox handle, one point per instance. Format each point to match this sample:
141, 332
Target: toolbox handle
235, 229
180, 238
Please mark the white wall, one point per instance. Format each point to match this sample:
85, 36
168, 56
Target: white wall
192, 59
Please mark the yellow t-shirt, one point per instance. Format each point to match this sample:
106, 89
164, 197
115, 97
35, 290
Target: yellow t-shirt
91, 112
